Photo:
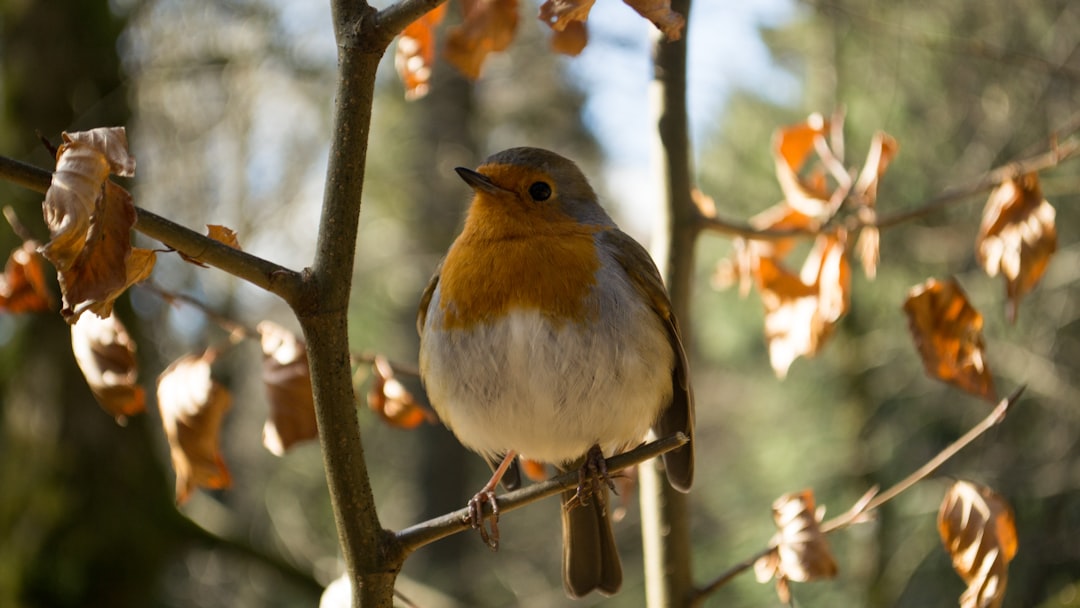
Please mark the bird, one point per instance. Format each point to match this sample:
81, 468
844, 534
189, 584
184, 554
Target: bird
546, 333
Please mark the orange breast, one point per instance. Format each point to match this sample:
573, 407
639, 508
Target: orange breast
552, 270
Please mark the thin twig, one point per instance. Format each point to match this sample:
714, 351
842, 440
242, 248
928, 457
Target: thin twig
857, 514
395, 17
427, 532
16, 224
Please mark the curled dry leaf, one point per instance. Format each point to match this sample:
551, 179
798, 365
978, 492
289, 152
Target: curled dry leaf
802, 310
792, 146
883, 149
415, 53
392, 401
659, 12
948, 333
570, 40
288, 388
978, 530
800, 552
22, 286
489, 26
106, 355
193, 406
1017, 237
558, 14
90, 220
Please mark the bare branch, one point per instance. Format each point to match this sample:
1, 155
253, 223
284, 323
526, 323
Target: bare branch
395, 17
414, 537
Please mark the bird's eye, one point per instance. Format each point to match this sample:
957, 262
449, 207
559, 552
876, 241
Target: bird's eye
540, 191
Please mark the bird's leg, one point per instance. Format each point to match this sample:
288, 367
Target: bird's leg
592, 473
475, 516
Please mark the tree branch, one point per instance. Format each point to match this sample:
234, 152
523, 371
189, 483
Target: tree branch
393, 19
873, 500
425, 533
268, 275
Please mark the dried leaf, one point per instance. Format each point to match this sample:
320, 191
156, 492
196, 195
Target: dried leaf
1017, 237
792, 146
288, 387
883, 148
193, 406
659, 12
802, 310
22, 286
743, 268
571, 40
415, 53
801, 553
106, 355
868, 248
948, 333
110, 142
392, 401
558, 14
978, 530
221, 234
488, 26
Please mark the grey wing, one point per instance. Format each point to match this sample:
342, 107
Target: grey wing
679, 415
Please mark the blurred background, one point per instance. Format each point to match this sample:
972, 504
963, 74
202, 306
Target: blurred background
228, 104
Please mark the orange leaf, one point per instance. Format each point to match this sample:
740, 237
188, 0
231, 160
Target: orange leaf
800, 551
883, 148
488, 26
948, 333
22, 286
1017, 237
560, 13
392, 401
571, 40
978, 530
193, 406
288, 387
792, 146
416, 53
801, 310
106, 355
661, 15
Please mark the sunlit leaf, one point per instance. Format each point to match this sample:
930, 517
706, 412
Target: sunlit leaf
883, 149
948, 333
415, 53
22, 286
1017, 237
106, 355
659, 12
488, 26
802, 310
288, 387
800, 551
392, 401
743, 267
570, 40
978, 530
193, 406
560, 13
792, 146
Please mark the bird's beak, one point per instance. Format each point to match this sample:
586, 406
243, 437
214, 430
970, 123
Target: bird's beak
478, 181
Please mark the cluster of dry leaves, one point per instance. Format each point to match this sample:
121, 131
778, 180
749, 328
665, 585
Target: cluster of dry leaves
90, 220
977, 528
489, 26
825, 201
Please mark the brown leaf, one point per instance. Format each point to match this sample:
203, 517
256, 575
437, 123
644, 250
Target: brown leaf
388, 398
948, 333
743, 268
978, 530
802, 310
488, 26
106, 355
661, 15
801, 553
416, 53
221, 234
193, 406
792, 146
1017, 237
110, 142
571, 40
22, 286
883, 148
288, 388
558, 14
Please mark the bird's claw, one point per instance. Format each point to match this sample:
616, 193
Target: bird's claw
475, 517
592, 473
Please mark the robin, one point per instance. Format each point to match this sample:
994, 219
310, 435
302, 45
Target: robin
546, 332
